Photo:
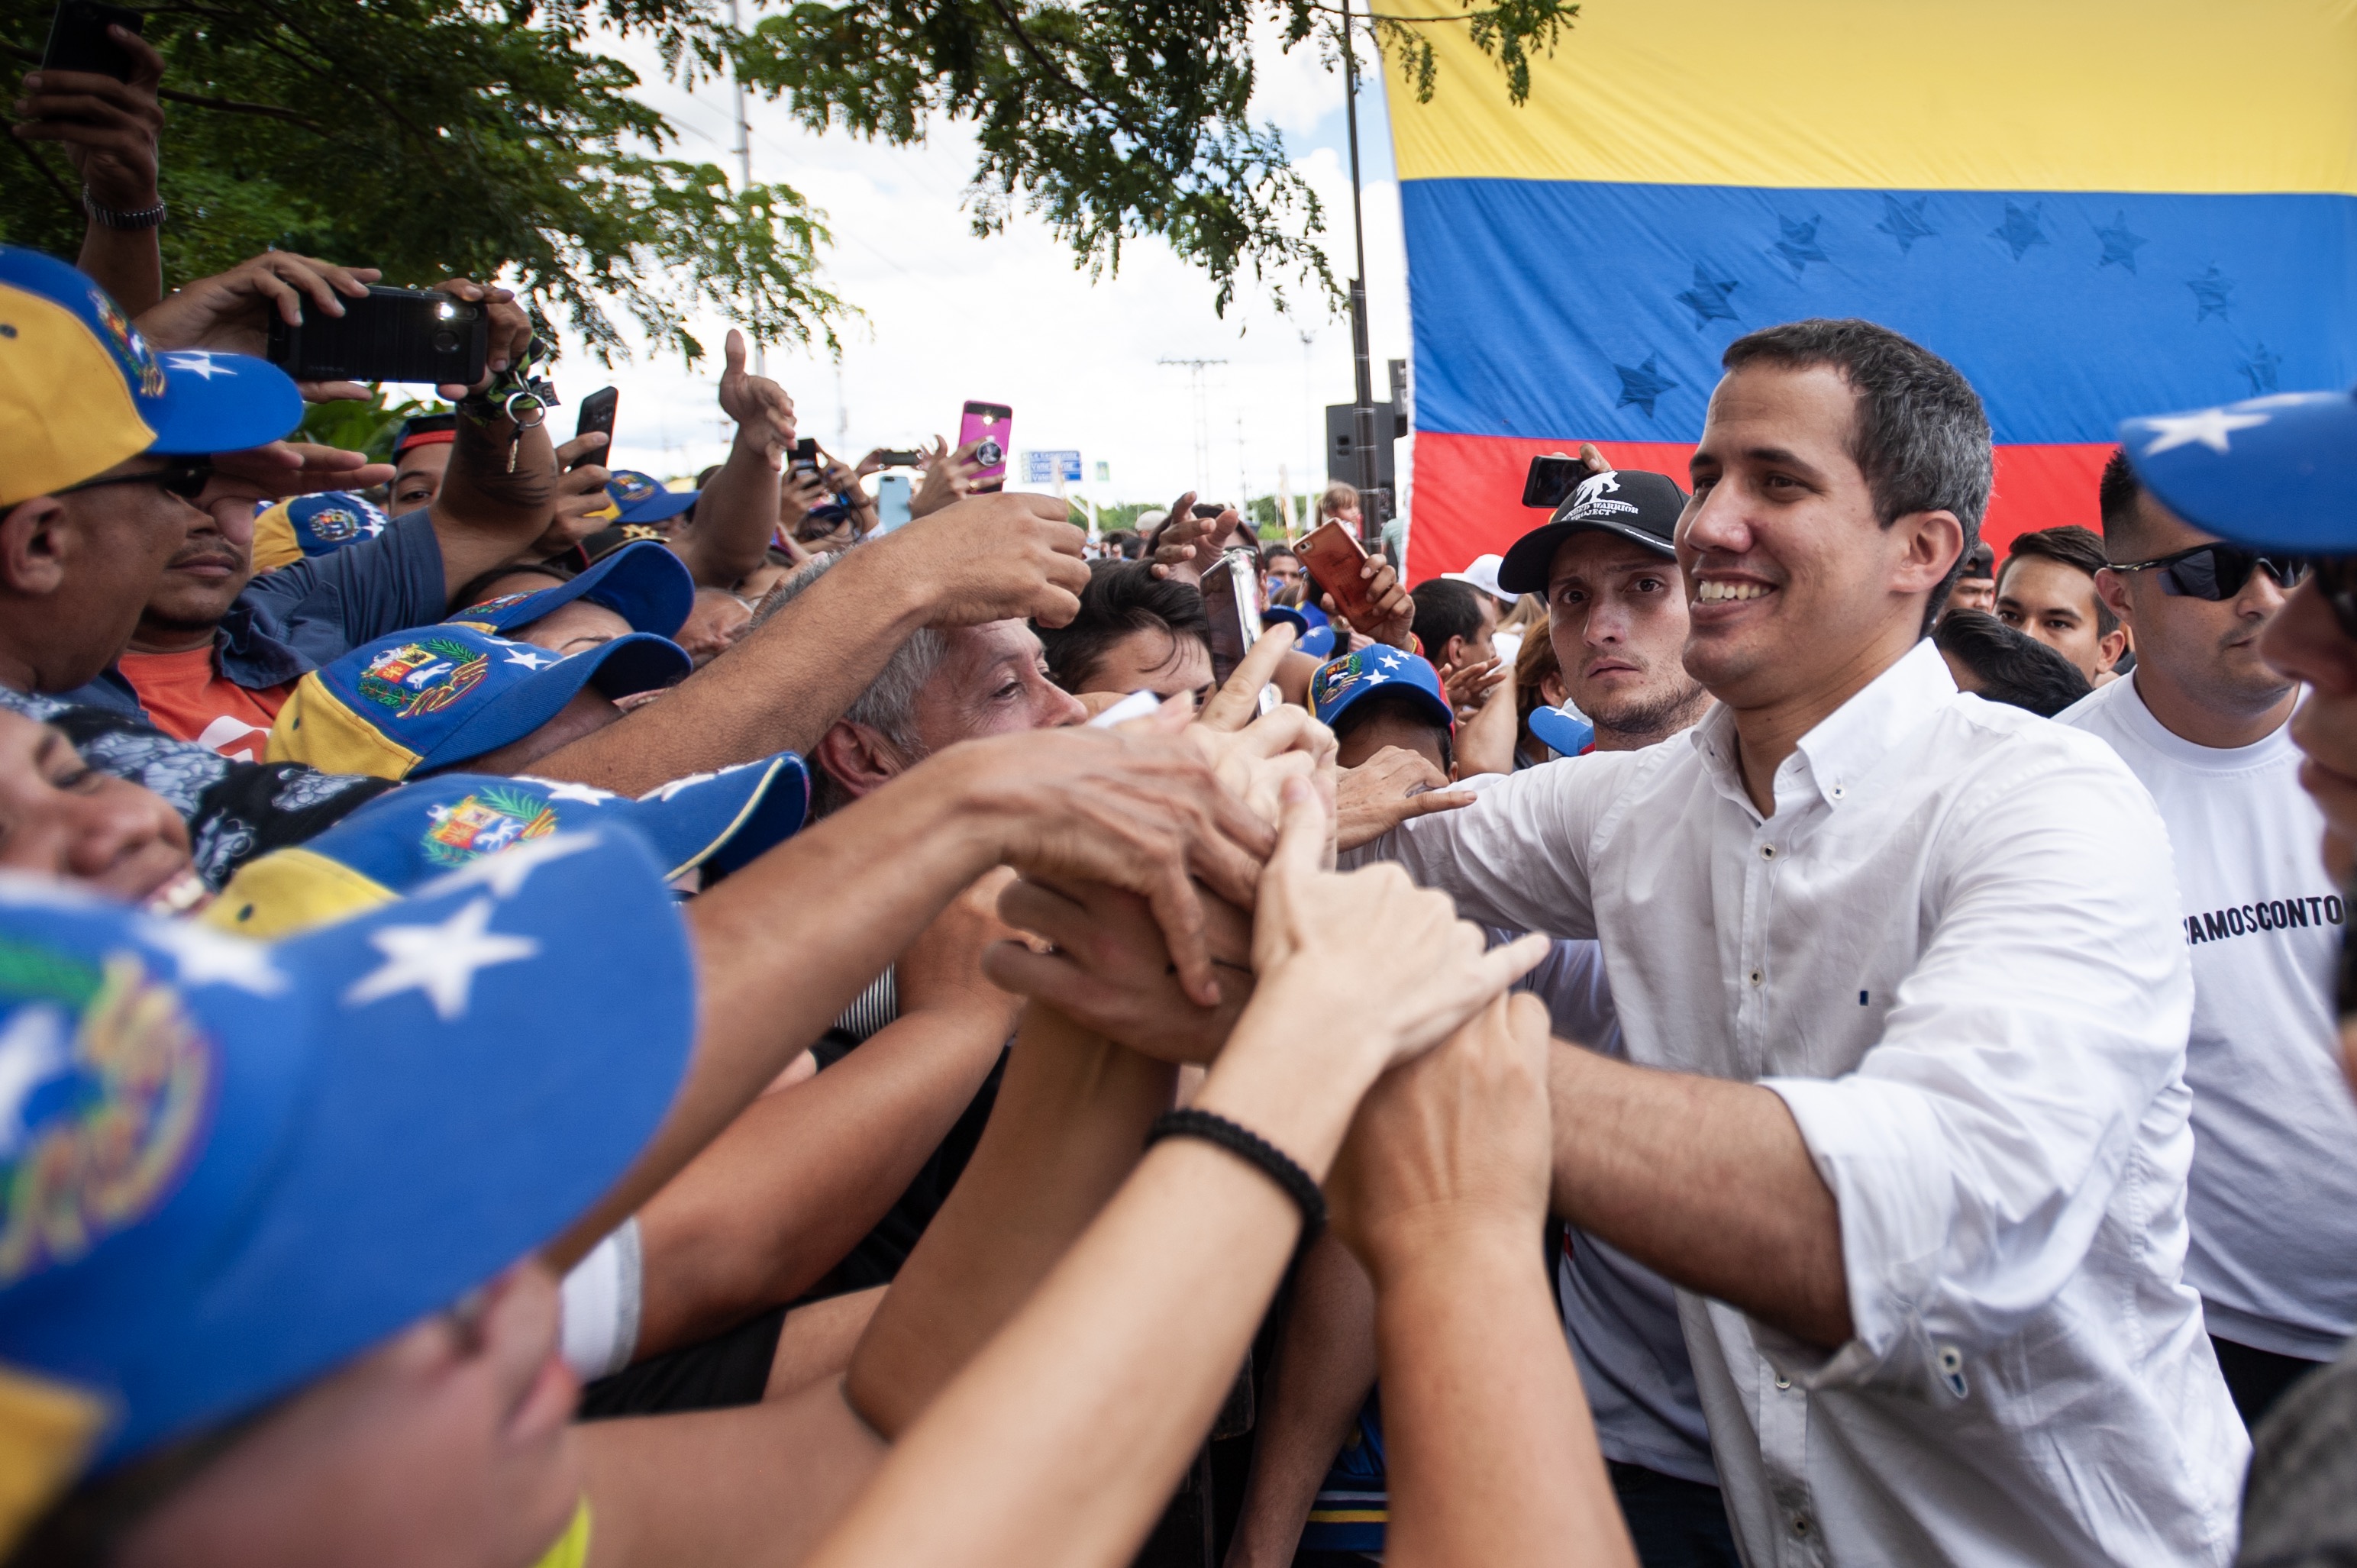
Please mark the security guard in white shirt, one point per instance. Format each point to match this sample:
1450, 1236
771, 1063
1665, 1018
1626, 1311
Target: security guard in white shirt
1905, 996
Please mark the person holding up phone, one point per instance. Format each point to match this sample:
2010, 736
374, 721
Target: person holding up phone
95, 95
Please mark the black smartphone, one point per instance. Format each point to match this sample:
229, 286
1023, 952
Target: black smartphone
78, 40
899, 460
1552, 478
597, 414
1208, 509
806, 455
390, 335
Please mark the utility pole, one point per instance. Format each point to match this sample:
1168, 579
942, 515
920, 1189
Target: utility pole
1203, 415
1373, 506
745, 167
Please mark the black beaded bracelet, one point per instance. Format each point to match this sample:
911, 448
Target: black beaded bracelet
1250, 1147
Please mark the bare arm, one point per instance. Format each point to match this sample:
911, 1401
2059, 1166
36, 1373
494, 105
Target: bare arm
779, 685
738, 512
1706, 1181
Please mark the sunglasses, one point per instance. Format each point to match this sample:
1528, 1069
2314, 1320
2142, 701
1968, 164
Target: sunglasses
2218, 571
185, 480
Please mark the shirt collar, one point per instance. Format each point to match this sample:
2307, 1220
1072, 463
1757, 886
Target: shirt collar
1849, 743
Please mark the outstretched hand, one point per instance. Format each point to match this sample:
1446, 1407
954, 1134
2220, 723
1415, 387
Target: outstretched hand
763, 413
1393, 620
231, 311
1108, 971
994, 557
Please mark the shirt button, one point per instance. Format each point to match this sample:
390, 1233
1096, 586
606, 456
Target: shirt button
1838, 792
1757, 977
1767, 852
1782, 1381
1801, 1524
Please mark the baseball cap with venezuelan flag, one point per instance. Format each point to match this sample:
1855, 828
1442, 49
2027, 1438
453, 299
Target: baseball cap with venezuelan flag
80, 390
435, 696
302, 526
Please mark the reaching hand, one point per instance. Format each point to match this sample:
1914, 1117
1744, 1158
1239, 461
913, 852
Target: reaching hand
949, 478
1110, 971
108, 127
994, 557
945, 966
763, 413
1394, 997
1237, 702
1394, 621
231, 311
511, 329
1594, 457
1471, 685
1187, 544
1457, 1137
581, 500
1391, 787
289, 468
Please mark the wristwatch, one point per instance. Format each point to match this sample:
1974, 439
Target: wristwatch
108, 218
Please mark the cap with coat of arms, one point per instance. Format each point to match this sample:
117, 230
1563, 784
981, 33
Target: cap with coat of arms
286, 532
641, 498
711, 822
230, 1166
1343, 682
80, 390
643, 583
435, 696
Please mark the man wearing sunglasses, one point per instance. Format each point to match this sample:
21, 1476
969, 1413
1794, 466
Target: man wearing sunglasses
2272, 1200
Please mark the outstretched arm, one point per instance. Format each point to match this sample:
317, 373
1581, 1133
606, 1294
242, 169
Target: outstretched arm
738, 512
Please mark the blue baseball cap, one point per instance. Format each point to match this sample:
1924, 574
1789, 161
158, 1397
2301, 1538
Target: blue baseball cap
644, 584
434, 697
1564, 731
1316, 640
231, 1166
2279, 472
1340, 682
320, 524
402, 840
641, 498
80, 390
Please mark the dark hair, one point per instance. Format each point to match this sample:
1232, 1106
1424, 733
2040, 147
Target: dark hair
1271, 552
1921, 437
1980, 561
1123, 598
1403, 703
2116, 494
2012, 666
2076, 547
1445, 608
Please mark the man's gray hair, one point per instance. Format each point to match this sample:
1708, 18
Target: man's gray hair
1921, 437
888, 706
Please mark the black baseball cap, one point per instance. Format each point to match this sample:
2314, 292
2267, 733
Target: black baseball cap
1634, 503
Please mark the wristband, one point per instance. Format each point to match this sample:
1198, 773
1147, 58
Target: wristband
1254, 1150
108, 218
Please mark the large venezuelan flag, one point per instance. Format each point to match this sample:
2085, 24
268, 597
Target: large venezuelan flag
2094, 208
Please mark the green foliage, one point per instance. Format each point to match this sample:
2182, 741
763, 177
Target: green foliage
1268, 517
440, 137
368, 426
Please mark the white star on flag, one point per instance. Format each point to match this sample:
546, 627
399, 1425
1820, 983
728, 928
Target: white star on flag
209, 958
32, 1052
1391, 661
1376, 677
530, 658
506, 871
676, 786
566, 790
197, 364
440, 960
2211, 427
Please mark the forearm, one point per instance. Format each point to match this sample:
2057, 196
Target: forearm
735, 516
1069, 1120
1325, 1365
128, 263
777, 963
794, 1183
1706, 1181
498, 498
1489, 1448
777, 689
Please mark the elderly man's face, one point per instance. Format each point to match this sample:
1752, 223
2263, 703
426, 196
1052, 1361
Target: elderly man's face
993, 681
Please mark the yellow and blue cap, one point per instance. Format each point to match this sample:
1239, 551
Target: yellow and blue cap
643, 583
1343, 682
229, 1167
642, 498
80, 390
301, 526
402, 840
2277, 472
434, 697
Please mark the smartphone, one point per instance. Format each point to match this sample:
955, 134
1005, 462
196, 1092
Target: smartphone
805, 459
891, 501
899, 460
1231, 598
597, 414
1208, 509
1332, 557
993, 424
389, 335
1552, 478
78, 40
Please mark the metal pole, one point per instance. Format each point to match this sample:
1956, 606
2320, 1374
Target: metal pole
1362, 412
745, 167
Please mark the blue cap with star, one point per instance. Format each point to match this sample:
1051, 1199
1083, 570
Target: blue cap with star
711, 823
436, 696
228, 1166
1342, 684
2279, 472
80, 390
643, 583
642, 498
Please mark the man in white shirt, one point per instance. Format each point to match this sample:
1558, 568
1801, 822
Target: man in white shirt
2273, 1202
1905, 999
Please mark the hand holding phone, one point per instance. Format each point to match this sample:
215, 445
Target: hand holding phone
988, 427
598, 415
78, 40
1332, 557
386, 334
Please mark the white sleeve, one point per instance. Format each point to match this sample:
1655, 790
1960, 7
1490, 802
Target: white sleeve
1519, 855
1976, 1148
601, 1300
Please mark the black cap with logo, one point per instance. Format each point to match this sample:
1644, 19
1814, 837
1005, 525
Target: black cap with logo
1634, 503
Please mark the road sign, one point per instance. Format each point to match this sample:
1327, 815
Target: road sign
1104, 473
1047, 467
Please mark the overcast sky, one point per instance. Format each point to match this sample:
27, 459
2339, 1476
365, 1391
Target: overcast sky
1009, 318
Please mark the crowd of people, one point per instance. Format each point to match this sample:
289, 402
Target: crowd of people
547, 1018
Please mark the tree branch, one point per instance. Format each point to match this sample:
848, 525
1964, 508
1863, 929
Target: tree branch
232, 106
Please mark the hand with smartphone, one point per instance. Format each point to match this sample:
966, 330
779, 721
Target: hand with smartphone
985, 430
1362, 593
949, 476
95, 93
1553, 476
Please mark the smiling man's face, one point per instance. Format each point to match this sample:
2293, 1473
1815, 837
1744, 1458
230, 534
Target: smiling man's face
1616, 617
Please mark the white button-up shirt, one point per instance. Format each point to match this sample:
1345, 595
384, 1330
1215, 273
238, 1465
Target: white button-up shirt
1954, 953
